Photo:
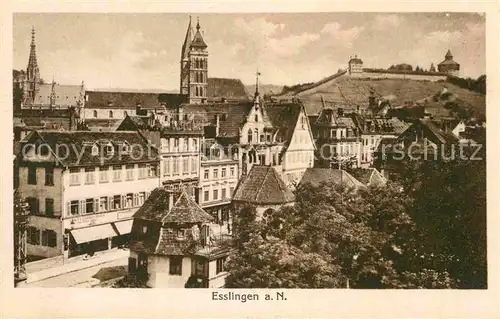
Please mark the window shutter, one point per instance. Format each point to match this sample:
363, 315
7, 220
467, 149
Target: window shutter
82, 207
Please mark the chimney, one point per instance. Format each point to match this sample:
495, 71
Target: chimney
217, 124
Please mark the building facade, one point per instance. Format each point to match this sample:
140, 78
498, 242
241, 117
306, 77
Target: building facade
82, 199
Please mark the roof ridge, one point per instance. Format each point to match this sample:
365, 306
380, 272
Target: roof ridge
263, 183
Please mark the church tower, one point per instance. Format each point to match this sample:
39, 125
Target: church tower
32, 81
194, 66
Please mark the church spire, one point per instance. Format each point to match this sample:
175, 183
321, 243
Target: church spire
198, 41
187, 41
32, 81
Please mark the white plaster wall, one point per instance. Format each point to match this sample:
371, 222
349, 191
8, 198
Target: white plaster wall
104, 113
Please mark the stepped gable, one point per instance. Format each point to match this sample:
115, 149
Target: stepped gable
263, 186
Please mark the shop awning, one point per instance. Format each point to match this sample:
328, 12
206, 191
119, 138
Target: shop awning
84, 235
124, 227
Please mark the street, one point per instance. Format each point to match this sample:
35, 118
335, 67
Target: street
80, 278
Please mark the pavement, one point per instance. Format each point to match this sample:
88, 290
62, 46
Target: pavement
81, 278
77, 265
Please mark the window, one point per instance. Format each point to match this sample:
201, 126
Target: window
194, 165
152, 170
89, 205
110, 114
249, 136
185, 165
175, 265
103, 204
262, 138
166, 166
32, 175
110, 149
33, 205
223, 172
103, 174
74, 207
181, 233
185, 146
74, 177
256, 117
130, 172
49, 207
95, 150
33, 235
223, 193
176, 166
125, 148
268, 137
231, 191
195, 144
129, 200
143, 173
95, 114
216, 194
256, 134
231, 171
89, 175
220, 265
49, 238
164, 144
176, 143
144, 229
205, 196
205, 175
216, 173
117, 173
142, 196
117, 202
303, 122
49, 176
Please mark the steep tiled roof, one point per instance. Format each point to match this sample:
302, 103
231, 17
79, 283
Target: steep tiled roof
65, 95
198, 41
184, 211
284, 118
317, 176
231, 115
130, 100
227, 88
262, 186
79, 146
102, 125
368, 176
442, 136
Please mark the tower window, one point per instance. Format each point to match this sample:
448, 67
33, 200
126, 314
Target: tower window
95, 114
111, 114
201, 91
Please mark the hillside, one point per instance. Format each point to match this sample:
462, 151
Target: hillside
270, 89
348, 91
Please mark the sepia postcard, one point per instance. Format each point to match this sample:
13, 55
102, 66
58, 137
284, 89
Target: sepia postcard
316, 162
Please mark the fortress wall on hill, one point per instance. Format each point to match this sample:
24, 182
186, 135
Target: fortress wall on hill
417, 77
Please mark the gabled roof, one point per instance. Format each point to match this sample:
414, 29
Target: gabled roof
368, 176
263, 186
79, 147
65, 95
130, 100
442, 136
284, 118
231, 89
317, 176
184, 211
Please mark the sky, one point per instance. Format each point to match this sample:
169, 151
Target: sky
142, 51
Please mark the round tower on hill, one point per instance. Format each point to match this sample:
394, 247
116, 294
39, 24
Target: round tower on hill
355, 66
448, 65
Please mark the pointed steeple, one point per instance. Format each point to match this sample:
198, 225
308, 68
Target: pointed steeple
187, 41
198, 41
257, 83
32, 71
448, 55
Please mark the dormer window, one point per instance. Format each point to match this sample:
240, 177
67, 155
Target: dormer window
181, 233
110, 149
125, 148
95, 150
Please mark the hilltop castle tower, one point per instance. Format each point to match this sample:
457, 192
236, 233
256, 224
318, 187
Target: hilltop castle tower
448, 65
194, 66
32, 79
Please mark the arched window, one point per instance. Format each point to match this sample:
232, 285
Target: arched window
249, 137
197, 91
201, 91
110, 114
256, 134
256, 117
95, 114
